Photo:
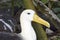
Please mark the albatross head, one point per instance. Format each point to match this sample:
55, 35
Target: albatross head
30, 15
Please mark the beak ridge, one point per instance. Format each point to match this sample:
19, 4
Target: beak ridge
40, 20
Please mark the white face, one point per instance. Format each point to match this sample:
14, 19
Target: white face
27, 15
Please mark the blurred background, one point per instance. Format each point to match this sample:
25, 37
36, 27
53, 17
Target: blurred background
49, 10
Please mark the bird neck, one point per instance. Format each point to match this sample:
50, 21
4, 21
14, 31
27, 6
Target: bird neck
28, 32
25, 25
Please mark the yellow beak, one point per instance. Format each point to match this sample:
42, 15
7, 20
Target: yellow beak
40, 21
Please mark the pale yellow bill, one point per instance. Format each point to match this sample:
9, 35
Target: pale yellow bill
39, 20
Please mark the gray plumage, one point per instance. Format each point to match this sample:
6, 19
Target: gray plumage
9, 36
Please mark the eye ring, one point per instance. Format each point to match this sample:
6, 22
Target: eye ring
28, 13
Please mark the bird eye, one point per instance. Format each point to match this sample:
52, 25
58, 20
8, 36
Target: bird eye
28, 13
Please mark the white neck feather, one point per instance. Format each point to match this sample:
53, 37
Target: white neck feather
28, 32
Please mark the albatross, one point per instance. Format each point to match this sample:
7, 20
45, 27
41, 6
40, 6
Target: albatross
26, 17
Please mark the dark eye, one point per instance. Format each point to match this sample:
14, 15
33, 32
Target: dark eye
28, 13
